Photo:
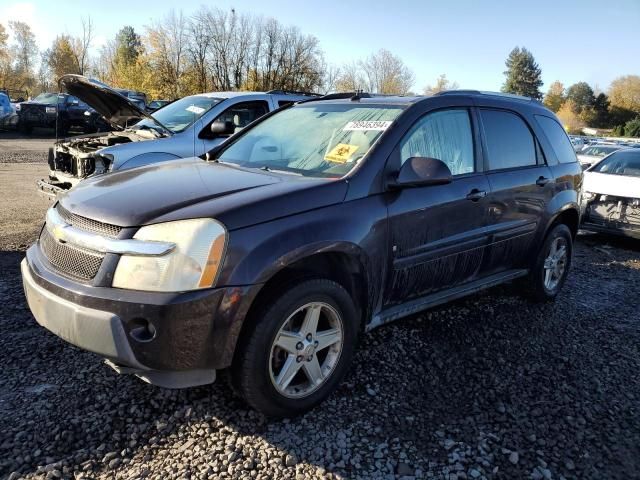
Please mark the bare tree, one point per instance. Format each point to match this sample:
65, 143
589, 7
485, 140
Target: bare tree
199, 43
167, 46
24, 52
80, 45
386, 73
442, 83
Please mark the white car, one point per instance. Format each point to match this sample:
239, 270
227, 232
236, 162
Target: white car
611, 194
594, 153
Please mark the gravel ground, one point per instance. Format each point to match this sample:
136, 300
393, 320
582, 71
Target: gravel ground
487, 387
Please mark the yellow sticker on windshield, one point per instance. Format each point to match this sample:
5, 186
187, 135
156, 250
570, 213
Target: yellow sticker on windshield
341, 153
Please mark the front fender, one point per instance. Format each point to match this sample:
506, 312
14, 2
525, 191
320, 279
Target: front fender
146, 159
358, 228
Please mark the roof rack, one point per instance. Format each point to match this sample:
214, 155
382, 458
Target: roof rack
293, 92
491, 94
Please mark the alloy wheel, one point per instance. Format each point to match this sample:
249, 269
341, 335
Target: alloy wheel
306, 350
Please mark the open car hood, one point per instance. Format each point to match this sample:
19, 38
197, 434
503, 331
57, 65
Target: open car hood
116, 109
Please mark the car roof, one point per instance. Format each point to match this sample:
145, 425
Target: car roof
248, 94
496, 98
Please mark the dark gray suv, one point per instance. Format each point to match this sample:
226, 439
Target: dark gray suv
315, 224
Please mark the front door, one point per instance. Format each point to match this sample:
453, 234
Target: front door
240, 114
437, 233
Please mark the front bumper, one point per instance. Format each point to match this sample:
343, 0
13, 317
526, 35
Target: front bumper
193, 334
50, 189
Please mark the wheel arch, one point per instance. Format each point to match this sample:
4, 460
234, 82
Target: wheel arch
342, 265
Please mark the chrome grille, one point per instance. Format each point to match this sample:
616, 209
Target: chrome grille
94, 226
70, 260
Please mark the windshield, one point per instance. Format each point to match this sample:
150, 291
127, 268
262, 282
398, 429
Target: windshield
179, 115
623, 162
314, 140
48, 98
599, 150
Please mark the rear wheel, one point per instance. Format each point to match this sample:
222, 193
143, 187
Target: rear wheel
552, 264
298, 350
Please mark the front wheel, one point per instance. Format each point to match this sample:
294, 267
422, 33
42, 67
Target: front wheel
552, 264
298, 350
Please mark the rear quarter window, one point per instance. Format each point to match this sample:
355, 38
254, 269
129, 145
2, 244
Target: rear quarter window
558, 138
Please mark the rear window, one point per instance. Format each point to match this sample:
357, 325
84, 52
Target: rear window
510, 143
558, 138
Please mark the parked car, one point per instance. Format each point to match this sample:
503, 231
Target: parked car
611, 196
8, 117
156, 104
181, 129
139, 99
316, 223
578, 143
58, 111
594, 153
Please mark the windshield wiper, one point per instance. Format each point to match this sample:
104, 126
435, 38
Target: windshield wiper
286, 172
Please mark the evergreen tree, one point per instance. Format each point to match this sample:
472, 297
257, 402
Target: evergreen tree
602, 117
128, 45
524, 76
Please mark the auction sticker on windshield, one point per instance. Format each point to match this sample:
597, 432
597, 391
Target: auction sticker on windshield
379, 125
341, 153
194, 109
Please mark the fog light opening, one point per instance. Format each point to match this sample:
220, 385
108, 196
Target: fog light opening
142, 330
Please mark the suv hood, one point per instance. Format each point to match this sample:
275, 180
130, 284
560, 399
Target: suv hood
116, 109
194, 188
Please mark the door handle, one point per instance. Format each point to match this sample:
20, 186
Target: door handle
542, 181
475, 195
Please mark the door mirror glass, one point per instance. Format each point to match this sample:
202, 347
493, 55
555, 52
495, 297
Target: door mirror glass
222, 128
422, 171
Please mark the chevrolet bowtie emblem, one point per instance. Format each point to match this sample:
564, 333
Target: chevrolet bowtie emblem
58, 233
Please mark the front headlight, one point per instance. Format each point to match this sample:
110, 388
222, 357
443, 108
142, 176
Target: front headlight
193, 264
588, 196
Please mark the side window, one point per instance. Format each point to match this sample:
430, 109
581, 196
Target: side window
510, 143
284, 103
445, 135
558, 138
243, 113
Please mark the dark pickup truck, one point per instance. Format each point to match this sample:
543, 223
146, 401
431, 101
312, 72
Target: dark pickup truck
61, 112
314, 224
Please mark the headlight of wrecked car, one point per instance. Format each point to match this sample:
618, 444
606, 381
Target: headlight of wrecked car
588, 196
193, 264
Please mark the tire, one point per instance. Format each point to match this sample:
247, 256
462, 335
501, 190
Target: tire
260, 364
538, 288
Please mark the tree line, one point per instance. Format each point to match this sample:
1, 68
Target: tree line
579, 105
216, 50
210, 50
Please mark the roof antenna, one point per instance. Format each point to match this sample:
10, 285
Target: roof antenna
357, 96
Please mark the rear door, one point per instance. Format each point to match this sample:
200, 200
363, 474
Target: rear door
437, 233
521, 187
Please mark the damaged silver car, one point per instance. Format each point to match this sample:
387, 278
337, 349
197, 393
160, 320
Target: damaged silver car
611, 194
187, 127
